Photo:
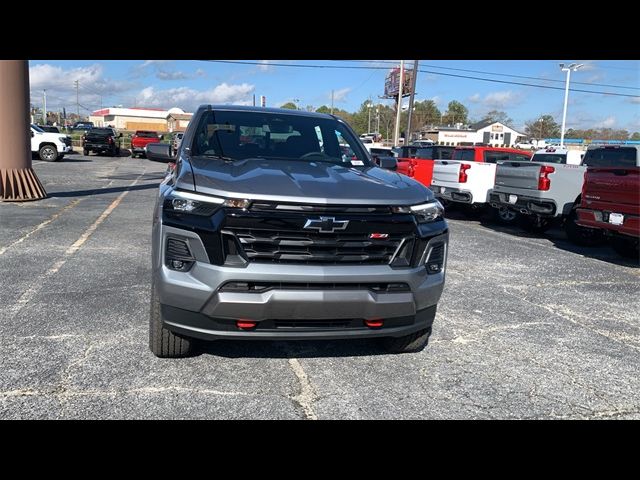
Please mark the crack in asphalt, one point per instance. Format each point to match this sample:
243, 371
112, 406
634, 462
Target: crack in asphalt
306, 396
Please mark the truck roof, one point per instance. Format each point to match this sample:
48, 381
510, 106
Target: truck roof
249, 108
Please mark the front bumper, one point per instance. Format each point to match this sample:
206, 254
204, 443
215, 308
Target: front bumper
193, 304
600, 219
64, 148
524, 204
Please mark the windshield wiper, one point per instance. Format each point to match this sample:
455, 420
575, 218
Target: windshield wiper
220, 157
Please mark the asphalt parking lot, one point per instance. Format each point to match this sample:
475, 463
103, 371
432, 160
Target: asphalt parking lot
528, 326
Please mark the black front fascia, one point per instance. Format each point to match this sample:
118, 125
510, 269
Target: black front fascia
224, 249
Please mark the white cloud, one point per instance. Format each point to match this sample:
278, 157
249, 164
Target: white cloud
189, 98
500, 99
635, 100
607, 122
200, 73
436, 99
147, 63
48, 76
164, 75
264, 66
475, 98
340, 95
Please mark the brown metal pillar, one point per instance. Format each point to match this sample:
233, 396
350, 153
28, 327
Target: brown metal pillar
18, 181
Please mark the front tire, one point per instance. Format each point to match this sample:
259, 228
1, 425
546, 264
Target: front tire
48, 153
409, 343
85, 152
163, 342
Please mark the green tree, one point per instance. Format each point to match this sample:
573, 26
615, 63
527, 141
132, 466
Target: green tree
635, 136
543, 127
497, 116
323, 109
456, 113
289, 105
426, 113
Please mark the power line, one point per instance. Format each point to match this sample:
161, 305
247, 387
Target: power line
243, 62
506, 75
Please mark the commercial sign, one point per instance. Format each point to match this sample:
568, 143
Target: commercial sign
496, 128
392, 83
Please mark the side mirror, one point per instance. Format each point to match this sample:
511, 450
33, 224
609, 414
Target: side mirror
159, 152
390, 163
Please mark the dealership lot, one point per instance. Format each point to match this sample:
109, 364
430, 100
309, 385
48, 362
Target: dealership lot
528, 326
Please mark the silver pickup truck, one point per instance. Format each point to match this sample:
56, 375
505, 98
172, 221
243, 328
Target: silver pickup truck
542, 190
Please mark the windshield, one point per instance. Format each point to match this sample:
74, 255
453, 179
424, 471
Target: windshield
610, 157
37, 128
550, 157
245, 134
381, 151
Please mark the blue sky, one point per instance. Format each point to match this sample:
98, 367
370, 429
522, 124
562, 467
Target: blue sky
186, 84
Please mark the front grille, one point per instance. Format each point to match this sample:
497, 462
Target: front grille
259, 287
302, 247
67, 141
339, 209
177, 249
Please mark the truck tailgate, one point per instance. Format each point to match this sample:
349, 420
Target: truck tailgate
611, 188
446, 173
519, 175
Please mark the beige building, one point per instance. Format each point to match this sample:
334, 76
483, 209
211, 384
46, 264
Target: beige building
177, 120
173, 120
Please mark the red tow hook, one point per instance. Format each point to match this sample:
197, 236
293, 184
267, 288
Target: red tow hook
246, 324
374, 322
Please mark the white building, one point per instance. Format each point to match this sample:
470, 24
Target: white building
131, 118
490, 133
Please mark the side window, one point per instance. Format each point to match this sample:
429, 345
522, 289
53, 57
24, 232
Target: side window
493, 157
346, 152
424, 153
444, 154
519, 158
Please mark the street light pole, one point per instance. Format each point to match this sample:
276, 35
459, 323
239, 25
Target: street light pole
369, 125
396, 133
378, 120
568, 69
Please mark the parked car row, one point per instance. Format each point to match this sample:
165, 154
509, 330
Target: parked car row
594, 195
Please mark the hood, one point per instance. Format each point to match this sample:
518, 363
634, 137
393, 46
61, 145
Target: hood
303, 182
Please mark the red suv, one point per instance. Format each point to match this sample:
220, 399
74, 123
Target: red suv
141, 139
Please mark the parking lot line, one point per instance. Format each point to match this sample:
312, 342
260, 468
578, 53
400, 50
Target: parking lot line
28, 295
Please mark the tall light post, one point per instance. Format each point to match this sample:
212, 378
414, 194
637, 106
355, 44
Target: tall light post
378, 119
568, 69
369, 106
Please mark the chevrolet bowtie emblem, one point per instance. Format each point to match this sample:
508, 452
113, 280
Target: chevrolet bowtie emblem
326, 224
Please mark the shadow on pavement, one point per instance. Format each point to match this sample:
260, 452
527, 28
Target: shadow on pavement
289, 349
102, 191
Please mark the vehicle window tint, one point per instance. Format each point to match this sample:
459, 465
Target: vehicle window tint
494, 157
147, 134
466, 154
244, 134
102, 131
380, 151
424, 153
560, 158
519, 158
444, 153
610, 157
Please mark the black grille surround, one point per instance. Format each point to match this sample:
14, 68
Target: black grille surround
259, 287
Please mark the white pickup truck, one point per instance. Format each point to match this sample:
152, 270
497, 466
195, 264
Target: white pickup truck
470, 174
542, 190
50, 147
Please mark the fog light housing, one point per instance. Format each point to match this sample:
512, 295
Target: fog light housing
178, 256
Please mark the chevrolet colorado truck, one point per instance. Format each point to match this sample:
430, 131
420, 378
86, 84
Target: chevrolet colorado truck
50, 147
101, 140
268, 228
141, 139
467, 178
545, 189
610, 201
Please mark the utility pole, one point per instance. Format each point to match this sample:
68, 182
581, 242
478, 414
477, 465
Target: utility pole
413, 93
369, 105
331, 102
378, 119
44, 106
254, 99
396, 133
77, 99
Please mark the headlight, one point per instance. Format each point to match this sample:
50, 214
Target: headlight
425, 212
62, 139
196, 204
